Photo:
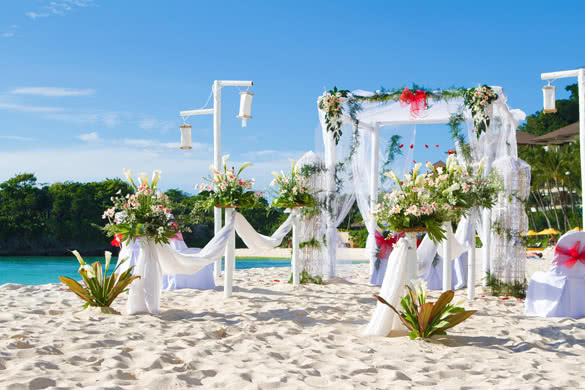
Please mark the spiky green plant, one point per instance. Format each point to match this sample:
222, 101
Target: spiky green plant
426, 319
100, 289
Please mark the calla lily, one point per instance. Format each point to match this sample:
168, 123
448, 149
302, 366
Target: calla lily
392, 175
292, 164
430, 166
224, 161
420, 180
128, 174
275, 174
213, 170
143, 178
79, 258
244, 166
416, 168
155, 177
108, 259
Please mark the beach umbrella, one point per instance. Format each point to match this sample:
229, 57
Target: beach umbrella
575, 229
549, 232
530, 233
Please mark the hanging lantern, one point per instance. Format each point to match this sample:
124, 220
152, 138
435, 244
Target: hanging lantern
185, 137
245, 107
548, 93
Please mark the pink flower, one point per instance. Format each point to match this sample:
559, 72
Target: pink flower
209, 188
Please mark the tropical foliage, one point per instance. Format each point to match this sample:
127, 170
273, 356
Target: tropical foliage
147, 213
228, 189
426, 319
293, 190
99, 290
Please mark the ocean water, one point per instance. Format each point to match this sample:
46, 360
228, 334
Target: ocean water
43, 270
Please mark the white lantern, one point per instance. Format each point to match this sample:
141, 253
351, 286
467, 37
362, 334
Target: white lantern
245, 107
548, 93
185, 136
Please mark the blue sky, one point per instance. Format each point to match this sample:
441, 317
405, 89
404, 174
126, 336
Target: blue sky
89, 87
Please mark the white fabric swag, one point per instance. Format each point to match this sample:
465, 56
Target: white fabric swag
154, 260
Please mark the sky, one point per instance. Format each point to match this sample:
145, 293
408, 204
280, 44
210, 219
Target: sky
89, 87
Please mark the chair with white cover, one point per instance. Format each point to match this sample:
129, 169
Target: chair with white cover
560, 291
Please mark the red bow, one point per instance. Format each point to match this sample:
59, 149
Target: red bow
572, 256
417, 101
385, 244
117, 241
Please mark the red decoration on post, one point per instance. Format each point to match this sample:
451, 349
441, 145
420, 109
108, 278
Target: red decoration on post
427, 146
417, 101
436, 146
401, 146
411, 146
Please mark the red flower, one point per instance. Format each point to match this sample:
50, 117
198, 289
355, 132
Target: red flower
117, 241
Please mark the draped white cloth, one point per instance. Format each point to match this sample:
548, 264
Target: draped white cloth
384, 319
152, 261
428, 249
202, 280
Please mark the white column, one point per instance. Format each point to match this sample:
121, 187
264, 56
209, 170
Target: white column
374, 167
471, 257
295, 248
217, 161
485, 249
447, 270
331, 234
411, 266
581, 89
229, 258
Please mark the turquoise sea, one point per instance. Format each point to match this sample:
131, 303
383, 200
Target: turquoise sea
43, 270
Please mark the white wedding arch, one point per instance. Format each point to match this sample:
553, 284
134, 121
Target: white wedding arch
496, 147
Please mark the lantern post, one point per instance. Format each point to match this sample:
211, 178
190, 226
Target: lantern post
245, 107
580, 74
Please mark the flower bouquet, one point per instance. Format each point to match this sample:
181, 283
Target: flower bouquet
332, 104
452, 186
413, 206
486, 189
228, 190
293, 190
478, 100
100, 289
144, 214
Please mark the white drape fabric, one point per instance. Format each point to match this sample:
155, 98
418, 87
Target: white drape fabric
255, 240
428, 249
152, 261
384, 319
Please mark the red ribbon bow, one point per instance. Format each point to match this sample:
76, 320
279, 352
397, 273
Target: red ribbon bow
385, 244
569, 257
417, 100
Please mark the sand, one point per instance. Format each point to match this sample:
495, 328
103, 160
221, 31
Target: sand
271, 336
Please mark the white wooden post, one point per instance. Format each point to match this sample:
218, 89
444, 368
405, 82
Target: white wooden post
374, 167
411, 266
485, 249
217, 222
295, 248
581, 89
471, 259
229, 258
447, 270
331, 233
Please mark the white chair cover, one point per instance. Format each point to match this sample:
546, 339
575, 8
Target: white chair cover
560, 291
384, 319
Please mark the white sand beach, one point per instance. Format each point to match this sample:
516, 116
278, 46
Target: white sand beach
271, 336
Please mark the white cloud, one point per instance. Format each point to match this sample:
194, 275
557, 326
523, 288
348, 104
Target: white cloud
89, 137
17, 138
80, 118
25, 108
52, 92
111, 119
34, 15
151, 123
148, 123
8, 35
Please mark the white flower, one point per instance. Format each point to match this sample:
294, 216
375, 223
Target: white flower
453, 187
420, 180
416, 168
224, 159
108, 258
156, 177
128, 174
419, 286
143, 178
392, 175
79, 258
88, 270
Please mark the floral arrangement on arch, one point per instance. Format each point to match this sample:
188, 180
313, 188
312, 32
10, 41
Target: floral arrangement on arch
145, 214
486, 188
414, 206
293, 190
228, 190
453, 185
331, 102
478, 100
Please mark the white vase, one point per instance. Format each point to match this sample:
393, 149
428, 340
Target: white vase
144, 294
